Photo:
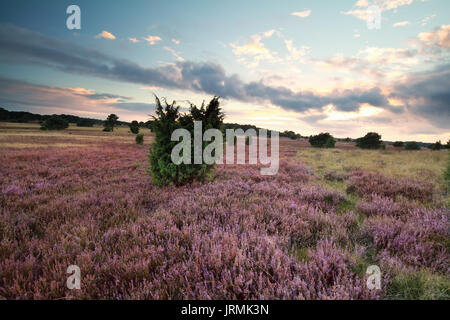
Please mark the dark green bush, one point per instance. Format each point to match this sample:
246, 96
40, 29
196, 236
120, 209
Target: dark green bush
412, 145
163, 171
54, 123
139, 138
398, 144
134, 127
371, 140
322, 140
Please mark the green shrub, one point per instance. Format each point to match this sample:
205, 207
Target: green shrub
107, 129
54, 123
371, 140
134, 127
330, 143
163, 171
398, 144
321, 140
139, 138
412, 145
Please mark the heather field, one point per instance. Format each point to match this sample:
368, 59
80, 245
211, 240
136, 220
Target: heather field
84, 197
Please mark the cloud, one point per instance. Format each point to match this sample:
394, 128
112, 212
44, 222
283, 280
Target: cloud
176, 41
439, 37
174, 53
401, 24
427, 19
22, 95
427, 94
134, 40
22, 46
152, 39
296, 54
254, 51
105, 34
302, 14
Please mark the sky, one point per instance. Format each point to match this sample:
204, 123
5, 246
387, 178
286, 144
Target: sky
306, 66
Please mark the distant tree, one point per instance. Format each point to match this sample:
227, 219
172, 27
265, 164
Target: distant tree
348, 139
85, 123
398, 144
111, 122
54, 123
436, 146
134, 127
448, 144
412, 145
322, 140
290, 134
371, 140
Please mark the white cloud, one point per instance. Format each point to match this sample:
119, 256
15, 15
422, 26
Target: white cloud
301, 14
176, 41
439, 37
152, 39
254, 51
134, 40
425, 20
401, 24
174, 53
105, 34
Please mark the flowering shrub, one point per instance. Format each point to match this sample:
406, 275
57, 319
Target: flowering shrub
239, 236
367, 183
419, 241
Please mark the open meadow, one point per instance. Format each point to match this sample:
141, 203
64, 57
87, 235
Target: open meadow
84, 197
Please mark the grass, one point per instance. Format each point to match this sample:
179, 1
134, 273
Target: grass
420, 285
426, 164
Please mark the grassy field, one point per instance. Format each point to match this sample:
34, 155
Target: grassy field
82, 196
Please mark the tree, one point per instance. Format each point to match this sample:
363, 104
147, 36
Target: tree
110, 122
412, 145
134, 127
398, 144
54, 123
163, 171
371, 140
436, 146
322, 140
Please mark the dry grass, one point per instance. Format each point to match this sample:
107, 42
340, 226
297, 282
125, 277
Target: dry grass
424, 165
28, 135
